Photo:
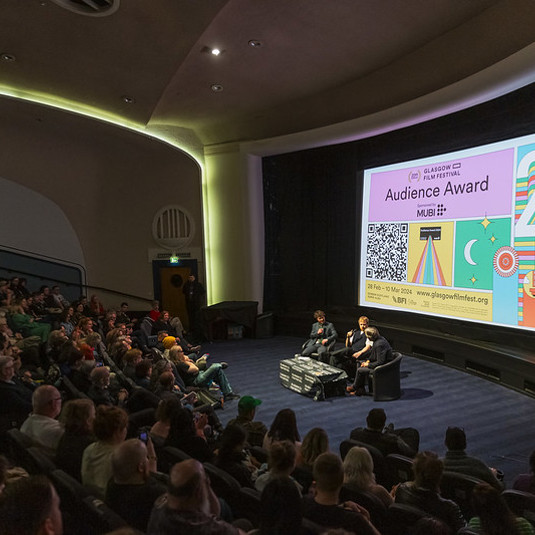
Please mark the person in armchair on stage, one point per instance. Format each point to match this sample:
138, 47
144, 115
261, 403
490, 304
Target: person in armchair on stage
356, 345
321, 335
380, 353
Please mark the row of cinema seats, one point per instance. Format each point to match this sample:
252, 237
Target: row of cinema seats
83, 513
392, 469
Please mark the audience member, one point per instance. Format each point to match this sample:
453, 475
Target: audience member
77, 417
190, 505
424, 491
493, 516
404, 441
283, 427
99, 391
281, 511
122, 314
110, 426
186, 433
256, 431
526, 482
457, 461
281, 463
41, 426
130, 360
30, 506
314, 444
15, 399
324, 507
26, 324
132, 491
143, 372
359, 476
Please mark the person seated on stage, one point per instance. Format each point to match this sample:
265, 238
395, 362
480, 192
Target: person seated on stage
41, 426
526, 482
132, 491
424, 491
356, 345
321, 335
256, 431
404, 441
325, 509
380, 353
457, 461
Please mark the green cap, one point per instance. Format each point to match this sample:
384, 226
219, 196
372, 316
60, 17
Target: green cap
247, 403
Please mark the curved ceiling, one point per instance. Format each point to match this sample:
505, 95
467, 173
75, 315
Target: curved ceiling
319, 63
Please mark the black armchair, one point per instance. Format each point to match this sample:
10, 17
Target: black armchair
386, 382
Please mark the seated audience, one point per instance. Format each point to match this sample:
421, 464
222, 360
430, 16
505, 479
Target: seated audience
314, 444
493, 516
130, 360
186, 433
160, 430
31, 506
281, 510
283, 427
143, 372
26, 324
424, 491
190, 505
15, 399
110, 426
256, 431
402, 441
324, 507
192, 376
77, 418
456, 459
132, 491
41, 426
232, 457
100, 392
281, 463
359, 476
122, 314
526, 482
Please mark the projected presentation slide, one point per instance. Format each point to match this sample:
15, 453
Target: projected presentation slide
453, 235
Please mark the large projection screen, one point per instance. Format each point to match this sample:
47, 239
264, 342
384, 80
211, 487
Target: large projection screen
453, 235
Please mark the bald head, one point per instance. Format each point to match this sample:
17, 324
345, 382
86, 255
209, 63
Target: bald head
46, 401
188, 487
129, 462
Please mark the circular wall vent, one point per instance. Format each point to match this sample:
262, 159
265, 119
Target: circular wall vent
173, 227
91, 8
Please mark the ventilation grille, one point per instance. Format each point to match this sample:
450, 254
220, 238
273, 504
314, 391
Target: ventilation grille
173, 228
426, 353
481, 369
91, 8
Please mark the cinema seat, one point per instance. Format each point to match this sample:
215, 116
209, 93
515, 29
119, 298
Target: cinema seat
386, 381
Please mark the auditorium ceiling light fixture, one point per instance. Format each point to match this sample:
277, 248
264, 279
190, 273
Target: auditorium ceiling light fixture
7, 57
216, 88
255, 43
212, 50
128, 100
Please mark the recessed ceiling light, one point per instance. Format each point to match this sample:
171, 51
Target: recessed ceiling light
216, 51
217, 88
128, 100
254, 43
8, 57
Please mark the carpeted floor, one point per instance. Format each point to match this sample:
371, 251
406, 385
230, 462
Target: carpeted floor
498, 421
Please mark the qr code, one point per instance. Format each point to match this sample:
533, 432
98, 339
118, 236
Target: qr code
386, 251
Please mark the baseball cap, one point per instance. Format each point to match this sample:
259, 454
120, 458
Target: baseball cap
248, 402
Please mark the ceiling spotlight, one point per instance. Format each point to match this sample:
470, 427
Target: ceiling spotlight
128, 100
8, 57
217, 88
254, 43
216, 51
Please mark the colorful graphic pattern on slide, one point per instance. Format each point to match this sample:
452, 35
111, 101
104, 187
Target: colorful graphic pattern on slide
525, 234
